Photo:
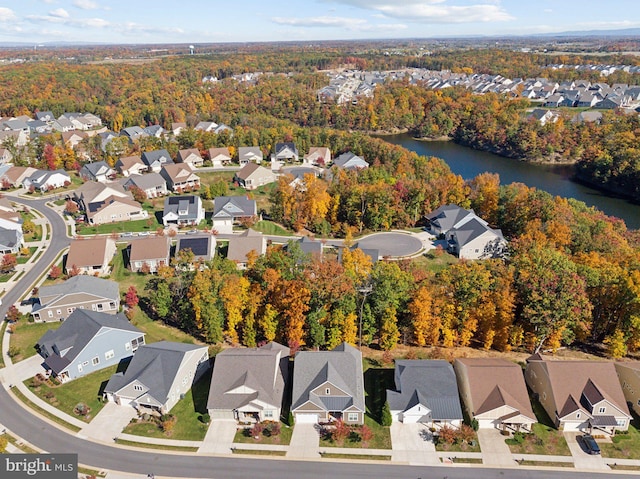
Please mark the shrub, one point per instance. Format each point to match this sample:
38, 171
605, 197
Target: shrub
386, 419
340, 431
13, 351
3, 443
167, 423
366, 433
205, 418
290, 419
474, 424
447, 435
256, 430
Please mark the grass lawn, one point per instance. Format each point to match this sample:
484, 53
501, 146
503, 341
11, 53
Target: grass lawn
545, 439
283, 438
258, 452
545, 463
156, 446
35, 236
436, 262
82, 390
43, 412
2, 328
624, 446
26, 335
187, 411
363, 457
150, 224
271, 228
23, 259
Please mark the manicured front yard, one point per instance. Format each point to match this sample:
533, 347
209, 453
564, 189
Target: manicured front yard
542, 440
85, 390
23, 259
381, 438
150, 224
26, 335
35, 236
243, 436
271, 228
188, 412
623, 446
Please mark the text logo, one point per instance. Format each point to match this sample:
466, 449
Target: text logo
46, 466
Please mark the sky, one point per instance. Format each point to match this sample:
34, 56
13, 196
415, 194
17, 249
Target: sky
212, 21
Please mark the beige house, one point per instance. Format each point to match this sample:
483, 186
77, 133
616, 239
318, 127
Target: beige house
91, 256
629, 375
58, 301
579, 395
191, 157
494, 393
253, 176
115, 209
243, 246
152, 251
95, 192
15, 175
180, 177
130, 165
317, 156
219, 157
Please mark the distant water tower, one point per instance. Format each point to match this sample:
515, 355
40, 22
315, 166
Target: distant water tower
191, 49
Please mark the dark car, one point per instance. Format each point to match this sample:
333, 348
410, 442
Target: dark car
590, 444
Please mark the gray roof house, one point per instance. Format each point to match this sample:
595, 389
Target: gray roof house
248, 383
350, 161
311, 246
446, 217
99, 171
133, 132
476, 240
11, 240
58, 301
87, 342
44, 180
158, 376
249, 154
241, 247
286, 151
328, 385
425, 392
228, 210
153, 184
182, 210
156, 159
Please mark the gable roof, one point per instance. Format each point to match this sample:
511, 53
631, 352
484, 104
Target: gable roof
146, 181
263, 370
174, 204
176, 172
184, 154
77, 332
447, 216
240, 245
350, 160
151, 247
97, 167
100, 287
201, 246
280, 147
431, 383
233, 207
342, 367
155, 366
471, 230
127, 162
223, 151
88, 252
253, 170
249, 152
151, 157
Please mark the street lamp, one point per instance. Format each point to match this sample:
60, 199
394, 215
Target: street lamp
365, 290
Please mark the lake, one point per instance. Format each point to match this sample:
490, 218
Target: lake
555, 179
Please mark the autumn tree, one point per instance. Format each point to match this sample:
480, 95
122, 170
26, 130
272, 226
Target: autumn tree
131, 297
138, 194
389, 334
71, 207
235, 295
425, 324
8, 263
55, 272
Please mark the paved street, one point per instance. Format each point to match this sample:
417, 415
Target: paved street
391, 244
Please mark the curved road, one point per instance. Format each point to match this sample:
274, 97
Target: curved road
52, 439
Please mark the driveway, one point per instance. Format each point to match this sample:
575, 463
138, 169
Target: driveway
23, 370
392, 244
219, 438
304, 441
495, 451
109, 422
581, 459
413, 444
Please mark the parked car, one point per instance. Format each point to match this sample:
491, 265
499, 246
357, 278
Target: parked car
126, 235
590, 444
192, 232
144, 233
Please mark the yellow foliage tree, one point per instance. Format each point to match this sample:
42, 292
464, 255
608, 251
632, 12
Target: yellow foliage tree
234, 294
425, 324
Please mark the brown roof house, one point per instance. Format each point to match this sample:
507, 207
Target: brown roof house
150, 252
494, 393
15, 175
130, 165
579, 395
180, 177
58, 301
248, 383
317, 156
253, 176
191, 157
115, 209
629, 375
243, 246
91, 256
219, 157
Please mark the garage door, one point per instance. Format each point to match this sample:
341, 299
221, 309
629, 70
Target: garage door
307, 418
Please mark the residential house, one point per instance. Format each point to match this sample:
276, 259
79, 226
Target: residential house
88, 341
91, 256
190, 157
203, 247
182, 211
150, 253
209, 126
56, 302
44, 180
476, 240
130, 165
99, 171
73, 137
153, 184
11, 240
219, 157
177, 127
629, 376
494, 393
350, 161
328, 385
94, 192
246, 247
5, 156
543, 116
180, 177
46, 116
18, 138
425, 392
253, 176
587, 117
447, 217
286, 152
115, 209
15, 175
249, 154
248, 384
155, 131
230, 210
311, 247
579, 395
158, 376
133, 133
156, 159
318, 156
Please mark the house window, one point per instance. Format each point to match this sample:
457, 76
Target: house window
112, 305
184, 380
352, 417
137, 387
50, 313
95, 361
109, 355
127, 346
621, 422
58, 312
86, 363
70, 310
80, 367
327, 391
602, 410
268, 413
100, 307
578, 415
